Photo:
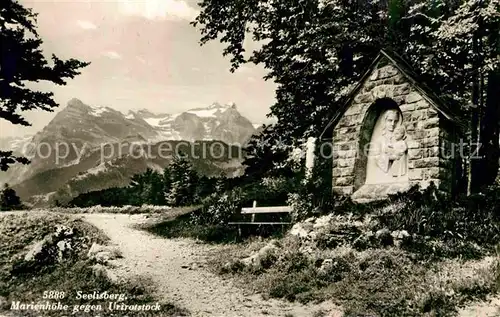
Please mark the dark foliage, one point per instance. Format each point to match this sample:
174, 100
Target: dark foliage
262, 153
184, 227
178, 185
316, 50
9, 199
427, 213
107, 197
23, 61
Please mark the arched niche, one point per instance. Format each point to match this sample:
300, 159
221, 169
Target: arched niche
382, 148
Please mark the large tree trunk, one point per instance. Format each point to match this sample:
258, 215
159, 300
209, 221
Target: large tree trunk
472, 166
474, 123
490, 149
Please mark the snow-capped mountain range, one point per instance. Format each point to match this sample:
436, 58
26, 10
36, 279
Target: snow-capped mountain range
93, 126
215, 122
86, 128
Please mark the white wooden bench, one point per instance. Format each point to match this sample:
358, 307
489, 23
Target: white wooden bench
262, 210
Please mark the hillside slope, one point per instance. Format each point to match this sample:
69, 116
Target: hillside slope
93, 173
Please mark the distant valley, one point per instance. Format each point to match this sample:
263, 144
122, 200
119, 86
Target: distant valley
67, 155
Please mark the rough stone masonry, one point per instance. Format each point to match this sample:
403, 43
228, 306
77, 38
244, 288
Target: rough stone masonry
366, 147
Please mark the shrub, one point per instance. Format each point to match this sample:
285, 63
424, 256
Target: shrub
270, 191
292, 287
9, 199
312, 197
219, 208
426, 213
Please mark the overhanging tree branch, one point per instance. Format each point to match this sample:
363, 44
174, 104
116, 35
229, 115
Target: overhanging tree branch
22, 60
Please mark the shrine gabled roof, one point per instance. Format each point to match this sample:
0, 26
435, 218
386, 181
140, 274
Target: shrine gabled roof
406, 70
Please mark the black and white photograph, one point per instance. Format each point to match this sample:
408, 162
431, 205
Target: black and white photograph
282, 158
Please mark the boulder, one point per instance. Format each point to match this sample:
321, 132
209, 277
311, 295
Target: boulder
260, 259
95, 248
323, 222
301, 229
103, 254
326, 266
400, 237
53, 248
64, 249
100, 271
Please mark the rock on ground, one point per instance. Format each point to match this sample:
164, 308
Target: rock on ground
103, 254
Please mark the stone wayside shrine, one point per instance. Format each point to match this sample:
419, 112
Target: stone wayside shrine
391, 134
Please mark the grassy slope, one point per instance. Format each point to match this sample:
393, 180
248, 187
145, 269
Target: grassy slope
375, 282
17, 231
378, 281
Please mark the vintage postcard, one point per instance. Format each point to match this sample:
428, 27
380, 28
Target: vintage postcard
294, 158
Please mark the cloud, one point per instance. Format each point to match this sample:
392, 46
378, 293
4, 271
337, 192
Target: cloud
112, 55
251, 79
195, 69
86, 25
243, 69
158, 9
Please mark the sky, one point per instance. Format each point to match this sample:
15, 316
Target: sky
144, 54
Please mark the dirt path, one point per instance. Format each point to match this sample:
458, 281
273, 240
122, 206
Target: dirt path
175, 266
490, 308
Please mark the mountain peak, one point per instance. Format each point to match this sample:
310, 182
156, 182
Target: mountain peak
77, 103
146, 114
215, 105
